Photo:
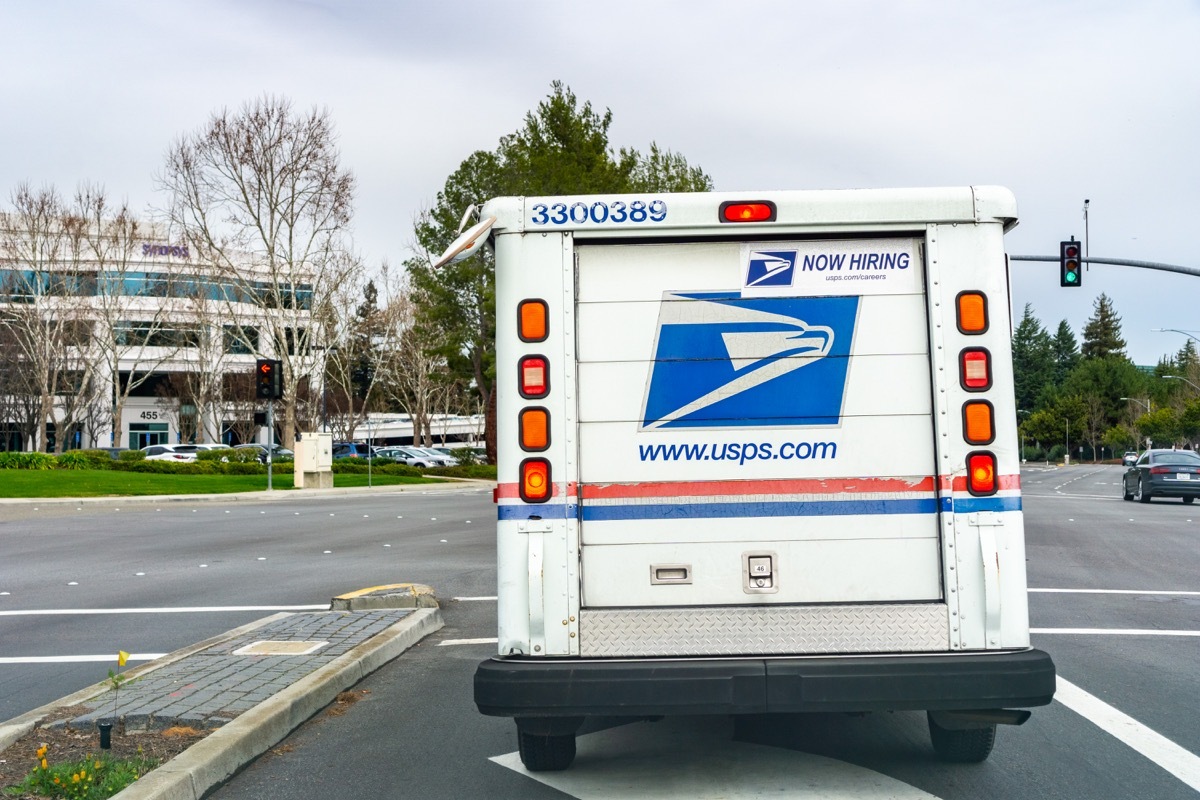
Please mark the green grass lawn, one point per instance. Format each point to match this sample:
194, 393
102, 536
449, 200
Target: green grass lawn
104, 483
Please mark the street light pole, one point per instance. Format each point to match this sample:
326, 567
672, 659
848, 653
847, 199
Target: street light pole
1185, 380
1175, 330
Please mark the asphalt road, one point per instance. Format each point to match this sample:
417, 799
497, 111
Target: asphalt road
1115, 595
226, 562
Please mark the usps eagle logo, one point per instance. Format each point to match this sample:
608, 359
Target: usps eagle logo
722, 360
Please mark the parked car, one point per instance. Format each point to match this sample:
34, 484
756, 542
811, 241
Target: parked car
278, 451
415, 456
1163, 473
446, 459
172, 452
1130, 458
351, 450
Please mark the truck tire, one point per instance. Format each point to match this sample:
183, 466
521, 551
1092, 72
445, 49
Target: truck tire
546, 753
969, 746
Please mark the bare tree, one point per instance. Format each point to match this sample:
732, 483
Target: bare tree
415, 376
42, 316
260, 196
139, 324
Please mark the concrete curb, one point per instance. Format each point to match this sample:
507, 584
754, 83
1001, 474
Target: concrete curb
443, 484
217, 757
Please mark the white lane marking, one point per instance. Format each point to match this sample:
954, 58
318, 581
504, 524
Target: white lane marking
77, 659
451, 642
1113, 632
40, 612
1117, 591
1162, 751
695, 758
475, 599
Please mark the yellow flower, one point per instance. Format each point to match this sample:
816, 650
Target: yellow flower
122, 657
44, 764
41, 752
56, 779
97, 765
75, 777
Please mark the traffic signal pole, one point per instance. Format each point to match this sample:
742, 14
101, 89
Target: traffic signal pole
270, 439
1120, 262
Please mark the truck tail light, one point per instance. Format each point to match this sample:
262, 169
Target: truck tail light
972, 312
534, 376
976, 370
981, 473
535, 480
533, 318
977, 422
534, 427
751, 211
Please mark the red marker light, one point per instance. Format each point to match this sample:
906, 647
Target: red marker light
755, 211
981, 473
535, 480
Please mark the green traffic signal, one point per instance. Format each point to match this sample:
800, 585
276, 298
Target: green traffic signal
1070, 266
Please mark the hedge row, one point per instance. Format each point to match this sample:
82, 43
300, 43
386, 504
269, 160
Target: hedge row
208, 462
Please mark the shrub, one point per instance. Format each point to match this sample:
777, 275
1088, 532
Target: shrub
485, 472
74, 459
251, 467
467, 457
383, 466
131, 455
18, 459
100, 459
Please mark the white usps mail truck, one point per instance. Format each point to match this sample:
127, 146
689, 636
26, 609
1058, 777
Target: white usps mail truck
757, 454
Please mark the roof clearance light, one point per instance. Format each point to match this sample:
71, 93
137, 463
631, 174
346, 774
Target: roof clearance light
972, 312
753, 211
977, 422
535, 480
981, 473
534, 425
534, 377
976, 370
533, 320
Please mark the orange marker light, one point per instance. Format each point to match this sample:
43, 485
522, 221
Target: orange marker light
977, 422
975, 369
972, 312
533, 320
981, 473
756, 211
534, 426
533, 378
535, 480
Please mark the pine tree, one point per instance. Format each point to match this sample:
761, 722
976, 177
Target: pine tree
1102, 333
1066, 352
1033, 360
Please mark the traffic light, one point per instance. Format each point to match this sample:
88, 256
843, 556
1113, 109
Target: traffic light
268, 379
1070, 266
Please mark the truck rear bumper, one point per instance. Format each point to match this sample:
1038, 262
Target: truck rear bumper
523, 687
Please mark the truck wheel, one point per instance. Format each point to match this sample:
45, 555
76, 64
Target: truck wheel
969, 746
546, 753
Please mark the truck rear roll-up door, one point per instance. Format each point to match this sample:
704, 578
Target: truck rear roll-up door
737, 402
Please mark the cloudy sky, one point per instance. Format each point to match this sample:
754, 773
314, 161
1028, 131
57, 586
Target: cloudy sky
1059, 101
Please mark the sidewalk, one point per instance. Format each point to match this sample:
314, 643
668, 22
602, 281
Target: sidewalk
251, 686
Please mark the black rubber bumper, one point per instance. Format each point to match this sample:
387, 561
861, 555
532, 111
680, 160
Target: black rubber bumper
514, 687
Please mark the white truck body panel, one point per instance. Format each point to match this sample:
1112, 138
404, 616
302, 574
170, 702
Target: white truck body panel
712, 400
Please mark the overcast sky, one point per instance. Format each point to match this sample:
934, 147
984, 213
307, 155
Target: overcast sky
1059, 101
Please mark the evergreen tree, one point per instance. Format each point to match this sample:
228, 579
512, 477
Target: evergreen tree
363, 341
1066, 352
563, 148
1033, 360
1102, 333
